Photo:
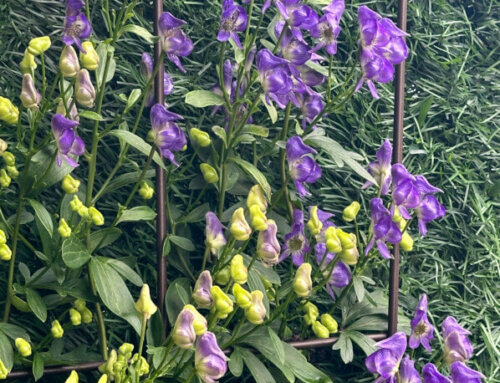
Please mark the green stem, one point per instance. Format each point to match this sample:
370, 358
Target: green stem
284, 181
235, 333
44, 78
205, 258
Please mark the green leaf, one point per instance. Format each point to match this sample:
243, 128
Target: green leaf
255, 173
235, 362
6, 352
221, 133
178, 295
114, 292
318, 67
359, 288
256, 130
124, 270
139, 31
43, 216
126, 179
133, 98
424, 110
104, 237
138, 143
166, 247
42, 163
273, 114
89, 115
38, 366
138, 213
277, 345
369, 323
258, 370
182, 242
344, 344
203, 98
265, 272
13, 331
301, 368
195, 215
239, 56
363, 341
36, 304
74, 253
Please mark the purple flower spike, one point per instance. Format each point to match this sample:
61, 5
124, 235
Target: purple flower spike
302, 168
214, 233
68, 143
384, 229
296, 243
457, 347
168, 136
76, 28
385, 361
381, 169
460, 373
234, 19
175, 43
147, 72
408, 372
209, 360
422, 332
327, 29
299, 16
432, 375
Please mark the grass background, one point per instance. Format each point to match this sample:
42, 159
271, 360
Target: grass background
451, 136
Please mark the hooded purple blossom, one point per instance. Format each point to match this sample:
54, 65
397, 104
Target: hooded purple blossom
234, 19
214, 233
415, 192
302, 168
296, 243
382, 46
299, 16
275, 78
175, 43
147, 72
76, 25
407, 371
422, 332
169, 138
311, 106
460, 373
310, 77
268, 247
385, 361
384, 229
381, 169
327, 29
68, 143
457, 347
297, 52
201, 292
432, 375
209, 360
341, 276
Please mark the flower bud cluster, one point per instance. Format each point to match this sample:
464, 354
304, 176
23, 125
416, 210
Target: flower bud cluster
80, 313
5, 251
115, 368
251, 302
323, 327
10, 172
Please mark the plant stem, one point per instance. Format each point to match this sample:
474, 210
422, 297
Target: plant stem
284, 180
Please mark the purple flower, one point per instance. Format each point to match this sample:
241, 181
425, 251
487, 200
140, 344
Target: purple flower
327, 29
76, 27
382, 46
174, 41
432, 375
381, 169
234, 19
209, 360
309, 76
457, 347
275, 78
408, 372
311, 105
214, 233
302, 168
385, 361
201, 292
460, 373
299, 16
341, 276
268, 247
68, 143
147, 72
295, 51
73, 7
384, 229
422, 332
429, 210
183, 331
168, 136
296, 243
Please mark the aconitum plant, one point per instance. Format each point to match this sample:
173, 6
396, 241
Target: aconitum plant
257, 260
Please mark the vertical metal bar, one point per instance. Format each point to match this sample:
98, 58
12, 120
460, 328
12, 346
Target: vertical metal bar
397, 156
161, 219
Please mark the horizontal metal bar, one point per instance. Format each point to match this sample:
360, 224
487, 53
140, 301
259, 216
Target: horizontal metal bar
319, 343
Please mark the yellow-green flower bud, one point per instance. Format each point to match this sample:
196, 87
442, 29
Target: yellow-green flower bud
28, 64
75, 317
80, 305
3, 237
240, 229
143, 364
314, 224
83, 211
103, 379
73, 112
348, 240
200, 322
3, 147
23, 347
239, 271
256, 197
57, 330
209, 173
320, 331
243, 298
5, 252
311, 313
126, 349
89, 59
86, 316
96, 215
75, 203
302, 284
349, 256
351, 211
333, 243
200, 137
8, 112
397, 217
146, 191
330, 323
256, 313
5, 179
3, 370
258, 218
68, 62
64, 229
224, 276
12, 171
9, 158
402, 223
222, 303
145, 305
30, 97
70, 185
107, 367
73, 377
39, 45
406, 242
